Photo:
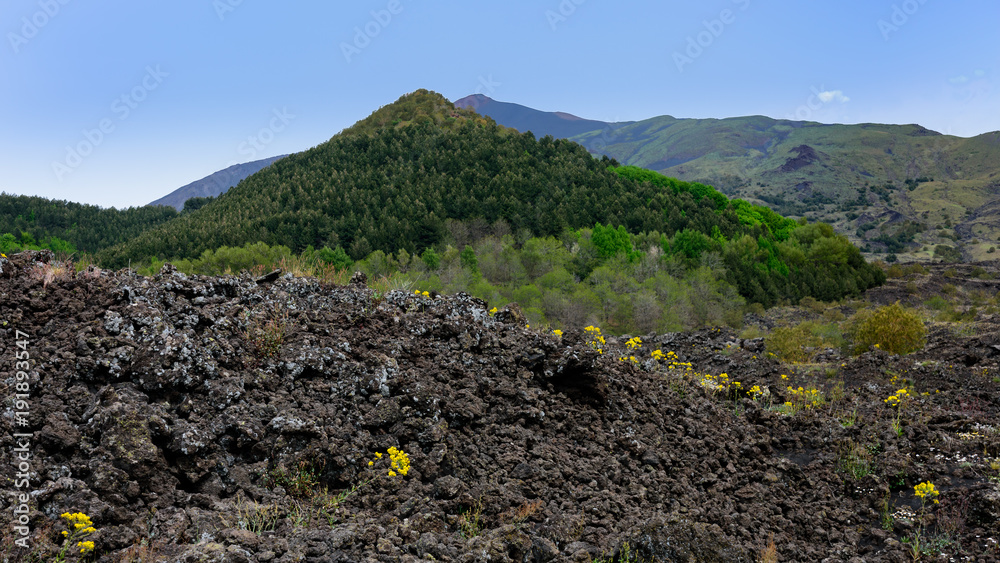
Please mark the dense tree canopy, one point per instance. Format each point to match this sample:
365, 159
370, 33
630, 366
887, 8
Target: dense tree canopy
87, 228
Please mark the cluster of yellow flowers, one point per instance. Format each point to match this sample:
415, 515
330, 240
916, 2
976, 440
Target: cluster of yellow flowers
399, 461
427, 294
493, 311
803, 399
926, 491
597, 341
634, 343
80, 527
557, 332
658, 355
720, 383
756, 392
898, 399
675, 362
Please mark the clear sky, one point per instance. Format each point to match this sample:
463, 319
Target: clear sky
118, 103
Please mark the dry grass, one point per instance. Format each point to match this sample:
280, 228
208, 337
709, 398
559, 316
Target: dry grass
47, 273
769, 553
521, 514
141, 552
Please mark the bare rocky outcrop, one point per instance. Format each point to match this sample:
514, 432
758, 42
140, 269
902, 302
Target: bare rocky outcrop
218, 419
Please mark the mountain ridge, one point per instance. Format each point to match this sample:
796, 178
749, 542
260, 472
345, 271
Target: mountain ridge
944, 185
215, 184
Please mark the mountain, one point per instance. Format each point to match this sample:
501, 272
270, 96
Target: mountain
396, 181
558, 124
215, 184
892, 188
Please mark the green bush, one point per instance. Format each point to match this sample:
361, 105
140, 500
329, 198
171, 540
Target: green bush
791, 344
798, 343
892, 328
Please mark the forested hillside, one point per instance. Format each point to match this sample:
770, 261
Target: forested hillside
393, 182
28, 221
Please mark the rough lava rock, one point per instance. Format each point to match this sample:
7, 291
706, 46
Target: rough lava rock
162, 408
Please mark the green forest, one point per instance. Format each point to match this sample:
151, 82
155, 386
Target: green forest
455, 202
31, 222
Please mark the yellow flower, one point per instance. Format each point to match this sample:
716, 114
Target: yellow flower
400, 462
378, 455
926, 491
426, 294
493, 311
557, 332
371, 463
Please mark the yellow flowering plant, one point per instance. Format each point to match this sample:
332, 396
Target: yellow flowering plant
925, 492
898, 401
596, 341
79, 528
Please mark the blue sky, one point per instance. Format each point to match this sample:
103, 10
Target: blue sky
118, 103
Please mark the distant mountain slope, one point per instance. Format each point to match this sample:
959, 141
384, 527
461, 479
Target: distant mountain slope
215, 184
892, 188
540, 123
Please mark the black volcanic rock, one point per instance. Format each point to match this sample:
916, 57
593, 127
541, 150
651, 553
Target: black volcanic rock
149, 411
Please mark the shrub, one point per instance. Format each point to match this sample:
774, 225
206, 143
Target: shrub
431, 259
892, 328
791, 344
812, 304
